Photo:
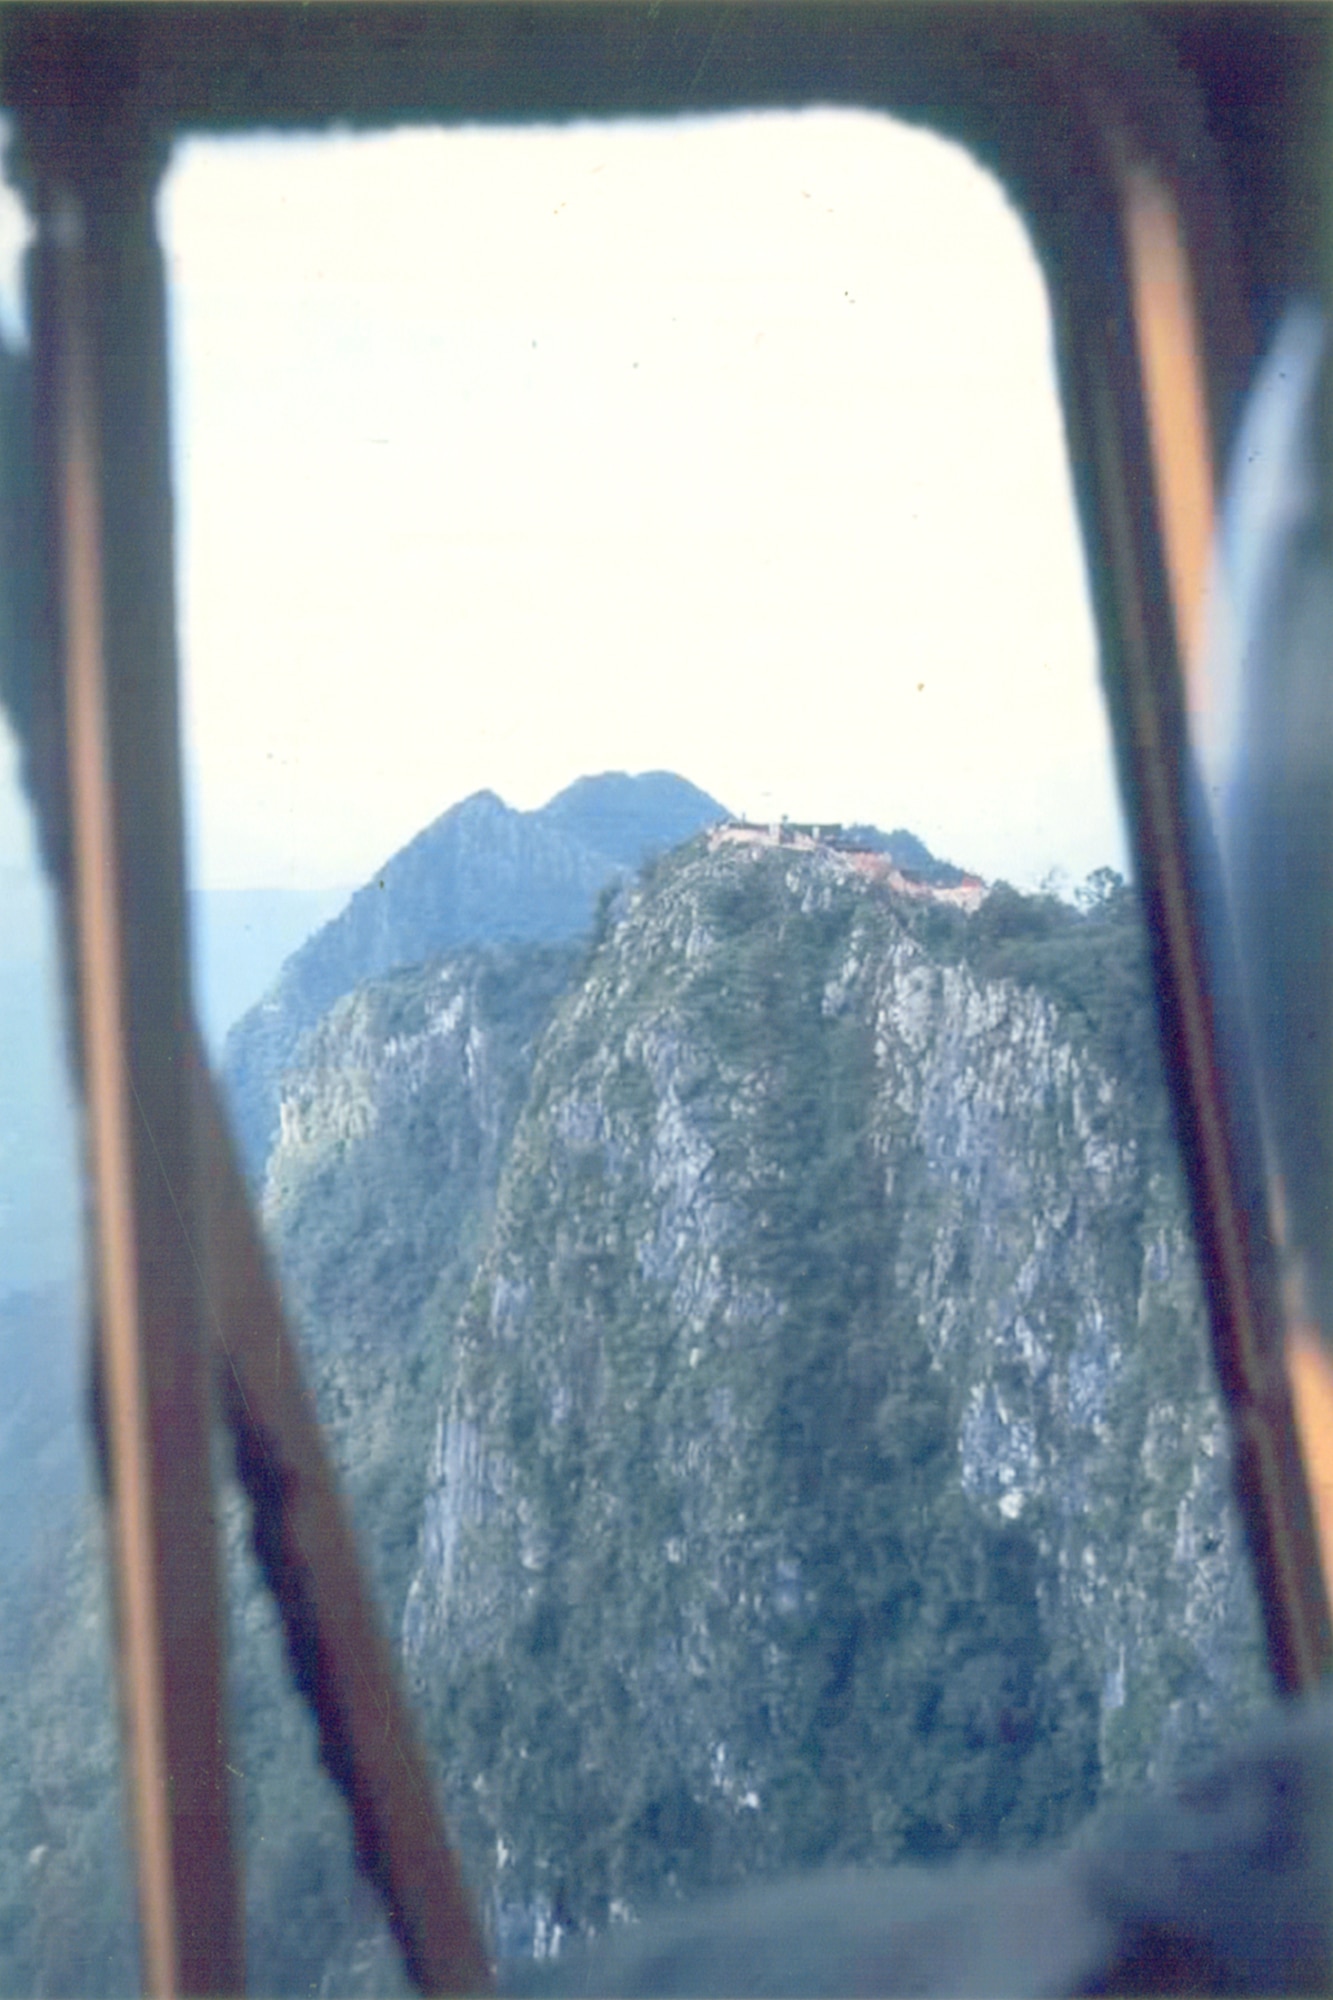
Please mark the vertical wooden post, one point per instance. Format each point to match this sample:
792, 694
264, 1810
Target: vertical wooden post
183, 1283
100, 361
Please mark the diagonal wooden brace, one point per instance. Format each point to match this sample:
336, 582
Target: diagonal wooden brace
304, 1542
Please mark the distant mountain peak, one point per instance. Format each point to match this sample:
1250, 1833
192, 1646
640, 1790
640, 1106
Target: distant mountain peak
603, 785
484, 801
477, 806
482, 873
628, 818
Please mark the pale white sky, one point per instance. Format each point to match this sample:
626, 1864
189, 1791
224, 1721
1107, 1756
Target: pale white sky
727, 446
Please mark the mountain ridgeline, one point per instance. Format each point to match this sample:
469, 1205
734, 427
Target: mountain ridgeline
480, 873
764, 1347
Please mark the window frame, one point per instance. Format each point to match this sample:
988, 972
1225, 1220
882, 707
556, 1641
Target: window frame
1113, 129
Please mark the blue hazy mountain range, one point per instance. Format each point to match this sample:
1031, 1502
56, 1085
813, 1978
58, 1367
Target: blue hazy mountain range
481, 873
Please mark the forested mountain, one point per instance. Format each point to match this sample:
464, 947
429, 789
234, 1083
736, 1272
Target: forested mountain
827, 1464
813, 1447
764, 1352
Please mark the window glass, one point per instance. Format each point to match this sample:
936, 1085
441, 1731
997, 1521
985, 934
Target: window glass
694, 1055
66, 1896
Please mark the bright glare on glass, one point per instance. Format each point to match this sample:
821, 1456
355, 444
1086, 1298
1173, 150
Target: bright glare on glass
729, 447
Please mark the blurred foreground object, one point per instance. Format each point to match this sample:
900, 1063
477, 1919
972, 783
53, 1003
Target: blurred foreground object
1267, 757
1266, 762
1221, 1886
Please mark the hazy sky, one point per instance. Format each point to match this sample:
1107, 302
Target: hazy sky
727, 446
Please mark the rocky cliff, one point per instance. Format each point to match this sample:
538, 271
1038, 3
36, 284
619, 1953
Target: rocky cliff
828, 1465
393, 1126
394, 1123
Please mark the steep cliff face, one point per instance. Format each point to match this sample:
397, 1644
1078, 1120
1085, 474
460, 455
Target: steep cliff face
393, 1125
827, 1462
1050, 1270
394, 1121
480, 873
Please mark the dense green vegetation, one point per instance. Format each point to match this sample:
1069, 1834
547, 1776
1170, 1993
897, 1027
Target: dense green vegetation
763, 1353
1089, 957
717, 1602
407, 1095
